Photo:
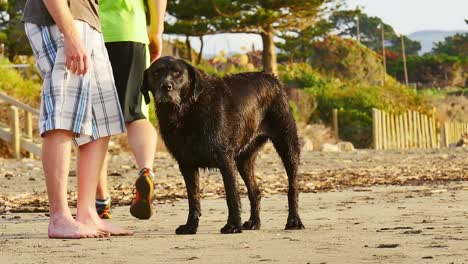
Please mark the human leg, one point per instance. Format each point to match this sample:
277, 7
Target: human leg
142, 139
90, 160
56, 159
103, 198
128, 61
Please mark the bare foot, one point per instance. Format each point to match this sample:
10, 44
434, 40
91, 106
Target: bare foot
94, 221
67, 227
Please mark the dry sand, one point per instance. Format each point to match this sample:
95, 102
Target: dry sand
349, 220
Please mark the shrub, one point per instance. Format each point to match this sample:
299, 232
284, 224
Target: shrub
347, 59
15, 85
432, 70
299, 75
355, 103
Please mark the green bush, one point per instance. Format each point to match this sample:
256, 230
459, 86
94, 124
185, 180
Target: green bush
355, 103
300, 75
432, 70
14, 84
347, 59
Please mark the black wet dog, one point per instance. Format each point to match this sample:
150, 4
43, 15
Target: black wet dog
211, 122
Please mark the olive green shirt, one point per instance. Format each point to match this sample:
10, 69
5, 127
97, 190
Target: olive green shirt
36, 12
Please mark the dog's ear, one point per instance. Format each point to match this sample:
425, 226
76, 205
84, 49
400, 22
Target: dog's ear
196, 80
145, 87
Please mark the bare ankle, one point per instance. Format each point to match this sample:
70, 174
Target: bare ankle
57, 218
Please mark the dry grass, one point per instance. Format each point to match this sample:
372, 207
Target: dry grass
452, 109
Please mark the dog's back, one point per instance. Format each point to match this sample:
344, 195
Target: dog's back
233, 112
257, 101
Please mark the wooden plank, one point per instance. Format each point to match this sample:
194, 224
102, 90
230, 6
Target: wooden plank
5, 134
417, 138
402, 131
31, 147
16, 132
18, 104
29, 130
407, 130
397, 132
335, 123
446, 134
434, 135
425, 131
391, 131
375, 130
410, 129
383, 127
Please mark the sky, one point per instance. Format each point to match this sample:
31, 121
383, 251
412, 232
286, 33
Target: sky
406, 16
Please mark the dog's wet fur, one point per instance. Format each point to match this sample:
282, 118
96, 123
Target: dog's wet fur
212, 122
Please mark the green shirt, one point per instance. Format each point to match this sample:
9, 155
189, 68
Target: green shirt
123, 20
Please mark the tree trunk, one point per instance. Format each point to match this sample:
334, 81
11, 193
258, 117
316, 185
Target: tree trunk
189, 48
269, 52
200, 53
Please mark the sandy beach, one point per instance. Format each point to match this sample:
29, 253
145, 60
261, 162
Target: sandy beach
359, 207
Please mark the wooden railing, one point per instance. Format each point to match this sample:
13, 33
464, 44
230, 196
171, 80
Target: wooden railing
13, 133
413, 130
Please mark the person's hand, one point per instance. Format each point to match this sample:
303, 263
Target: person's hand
77, 58
155, 46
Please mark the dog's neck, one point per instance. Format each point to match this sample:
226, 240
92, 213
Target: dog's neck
173, 113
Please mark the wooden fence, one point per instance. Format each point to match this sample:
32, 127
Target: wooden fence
451, 132
413, 130
13, 134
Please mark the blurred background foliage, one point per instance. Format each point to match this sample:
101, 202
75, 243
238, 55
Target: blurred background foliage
311, 45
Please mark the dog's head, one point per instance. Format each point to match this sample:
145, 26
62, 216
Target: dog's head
171, 81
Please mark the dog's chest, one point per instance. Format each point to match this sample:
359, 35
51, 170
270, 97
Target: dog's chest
193, 141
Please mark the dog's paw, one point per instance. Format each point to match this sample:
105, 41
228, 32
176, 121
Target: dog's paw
251, 225
231, 229
294, 223
186, 230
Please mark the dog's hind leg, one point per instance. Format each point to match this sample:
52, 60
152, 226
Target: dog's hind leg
191, 177
245, 162
226, 167
283, 134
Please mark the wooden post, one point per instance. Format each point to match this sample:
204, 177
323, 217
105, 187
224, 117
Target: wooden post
383, 127
409, 119
445, 127
407, 130
417, 129
402, 131
392, 131
16, 133
426, 131
389, 131
375, 128
29, 130
398, 131
335, 122
434, 132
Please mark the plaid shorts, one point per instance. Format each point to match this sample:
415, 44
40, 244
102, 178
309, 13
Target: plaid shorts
87, 105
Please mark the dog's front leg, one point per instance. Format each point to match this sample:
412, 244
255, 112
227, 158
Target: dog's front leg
232, 198
192, 184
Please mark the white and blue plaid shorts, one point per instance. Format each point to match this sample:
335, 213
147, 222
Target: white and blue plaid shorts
87, 105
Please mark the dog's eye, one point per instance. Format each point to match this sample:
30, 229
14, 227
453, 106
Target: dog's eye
177, 73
